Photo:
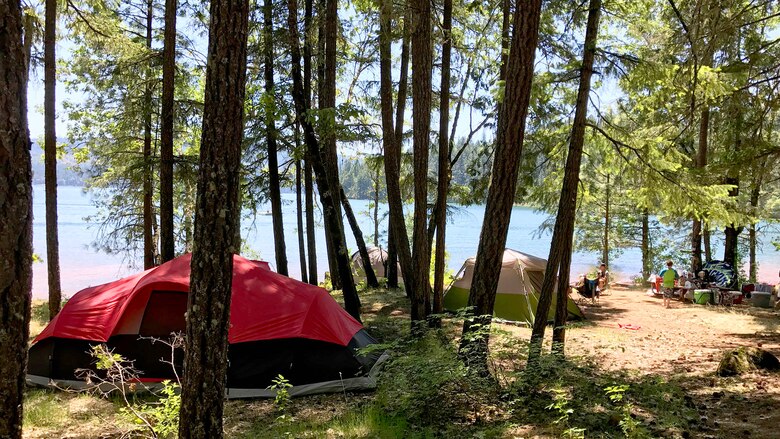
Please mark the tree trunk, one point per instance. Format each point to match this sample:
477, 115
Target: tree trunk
700, 163
351, 299
377, 180
299, 215
329, 152
361, 243
422, 64
607, 218
149, 247
753, 239
732, 232
208, 310
398, 139
498, 209
647, 264
444, 161
311, 239
563, 232
707, 246
280, 248
506, 14
167, 241
391, 145
15, 220
50, 157
392, 259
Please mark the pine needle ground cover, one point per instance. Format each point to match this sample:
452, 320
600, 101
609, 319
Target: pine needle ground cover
657, 381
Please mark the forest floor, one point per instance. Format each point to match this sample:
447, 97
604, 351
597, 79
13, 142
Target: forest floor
666, 367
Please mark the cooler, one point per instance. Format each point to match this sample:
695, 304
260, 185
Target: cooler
702, 297
761, 299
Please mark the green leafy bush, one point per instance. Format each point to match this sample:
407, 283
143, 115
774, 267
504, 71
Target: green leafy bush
426, 383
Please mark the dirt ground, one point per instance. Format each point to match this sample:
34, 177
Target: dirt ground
685, 343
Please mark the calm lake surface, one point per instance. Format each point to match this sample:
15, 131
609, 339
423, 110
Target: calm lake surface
83, 266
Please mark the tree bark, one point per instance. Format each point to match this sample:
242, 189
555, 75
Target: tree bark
646, 260
50, 157
755, 193
398, 139
208, 310
563, 232
15, 220
607, 220
732, 231
361, 243
311, 240
351, 298
149, 247
444, 161
280, 248
392, 259
422, 64
167, 241
377, 180
707, 247
700, 163
310, 237
328, 30
391, 145
299, 215
498, 209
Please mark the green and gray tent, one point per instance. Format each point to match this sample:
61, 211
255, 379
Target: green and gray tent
518, 289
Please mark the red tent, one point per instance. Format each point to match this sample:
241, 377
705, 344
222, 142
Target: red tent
278, 326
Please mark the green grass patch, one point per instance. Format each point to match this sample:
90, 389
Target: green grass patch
45, 409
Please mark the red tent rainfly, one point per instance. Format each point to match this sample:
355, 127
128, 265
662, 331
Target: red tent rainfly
278, 326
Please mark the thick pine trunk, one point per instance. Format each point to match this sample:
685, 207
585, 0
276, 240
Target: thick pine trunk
299, 216
422, 64
167, 241
310, 237
15, 220
392, 145
707, 246
498, 209
149, 247
50, 157
323, 101
563, 233
444, 161
361, 243
208, 310
280, 248
332, 223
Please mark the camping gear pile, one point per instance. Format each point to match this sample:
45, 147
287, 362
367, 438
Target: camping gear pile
278, 326
517, 295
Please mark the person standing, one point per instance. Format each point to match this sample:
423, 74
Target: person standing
669, 276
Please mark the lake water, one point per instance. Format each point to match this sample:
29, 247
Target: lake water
83, 266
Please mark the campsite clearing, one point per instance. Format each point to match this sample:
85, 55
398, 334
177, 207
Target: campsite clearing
668, 364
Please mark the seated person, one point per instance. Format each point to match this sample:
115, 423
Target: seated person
701, 281
602, 276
